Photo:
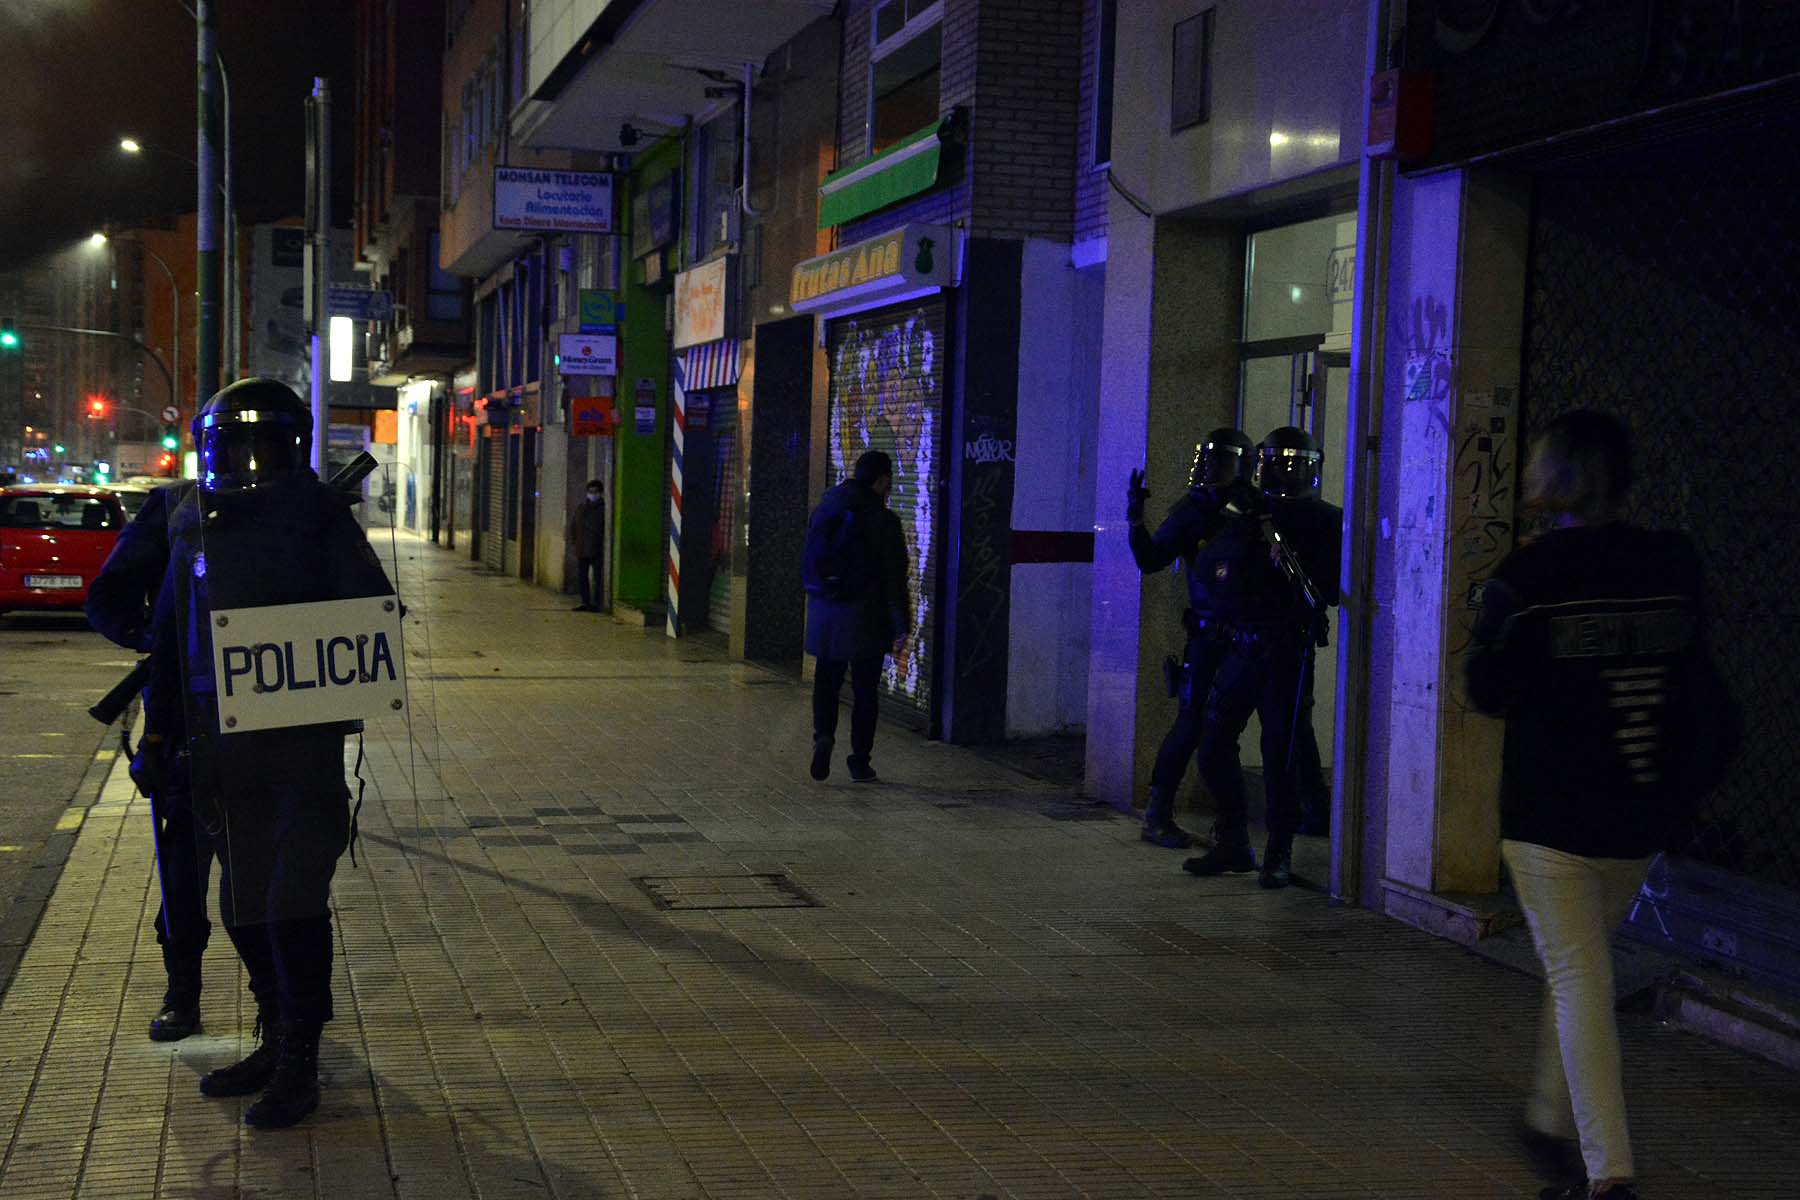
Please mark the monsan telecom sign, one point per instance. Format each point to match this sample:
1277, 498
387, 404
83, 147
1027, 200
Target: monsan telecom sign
532, 201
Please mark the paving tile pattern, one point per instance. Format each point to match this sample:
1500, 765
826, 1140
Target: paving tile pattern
604, 939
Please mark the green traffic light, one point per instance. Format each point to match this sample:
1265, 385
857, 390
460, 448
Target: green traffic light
170, 442
8, 339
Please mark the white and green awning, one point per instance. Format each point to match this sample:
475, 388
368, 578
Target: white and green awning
904, 169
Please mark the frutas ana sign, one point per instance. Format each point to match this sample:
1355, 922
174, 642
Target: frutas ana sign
903, 261
308, 664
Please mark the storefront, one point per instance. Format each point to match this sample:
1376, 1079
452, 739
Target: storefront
884, 307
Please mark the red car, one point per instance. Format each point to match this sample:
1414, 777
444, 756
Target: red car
53, 540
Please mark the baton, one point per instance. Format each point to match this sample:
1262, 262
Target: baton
113, 704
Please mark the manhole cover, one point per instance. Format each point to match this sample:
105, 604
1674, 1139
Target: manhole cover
724, 891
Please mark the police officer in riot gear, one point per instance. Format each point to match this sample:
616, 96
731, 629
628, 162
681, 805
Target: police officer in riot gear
1221, 469
1275, 561
259, 529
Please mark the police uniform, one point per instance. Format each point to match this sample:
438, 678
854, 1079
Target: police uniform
1266, 670
272, 805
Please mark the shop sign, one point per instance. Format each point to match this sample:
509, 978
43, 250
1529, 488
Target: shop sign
590, 416
552, 201
308, 664
600, 310
700, 304
907, 260
646, 405
653, 215
588, 354
699, 411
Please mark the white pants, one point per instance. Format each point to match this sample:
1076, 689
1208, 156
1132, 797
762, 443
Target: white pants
1572, 905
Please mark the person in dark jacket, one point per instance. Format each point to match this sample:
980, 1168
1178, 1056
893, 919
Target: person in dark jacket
857, 608
259, 529
119, 604
1588, 644
586, 535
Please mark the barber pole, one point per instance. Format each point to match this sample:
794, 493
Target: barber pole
678, 378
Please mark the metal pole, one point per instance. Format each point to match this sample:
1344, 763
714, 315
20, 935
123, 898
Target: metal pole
320, 207
206, 255
234, 284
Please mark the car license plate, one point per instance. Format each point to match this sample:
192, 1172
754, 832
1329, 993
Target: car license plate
53, 581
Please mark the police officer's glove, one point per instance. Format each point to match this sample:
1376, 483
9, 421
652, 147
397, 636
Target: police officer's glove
1135, 495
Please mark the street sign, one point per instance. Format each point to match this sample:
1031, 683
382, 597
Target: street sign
590, 416
357, 394
588, 354
358, 303
171, 413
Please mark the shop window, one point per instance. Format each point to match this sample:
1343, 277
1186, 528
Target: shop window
906, 70
1191, 89
715, 184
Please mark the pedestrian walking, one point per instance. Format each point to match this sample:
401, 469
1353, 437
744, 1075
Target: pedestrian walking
586, 536
1588, 644
260, 529
1273, 565
1221, 468
857, 607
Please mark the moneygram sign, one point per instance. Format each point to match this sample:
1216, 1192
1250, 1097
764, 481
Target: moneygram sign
308, 664
552, 201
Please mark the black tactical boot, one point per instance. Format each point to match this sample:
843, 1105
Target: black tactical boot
294, 1091
1160, 828
821, 759
252, 1073
178, 1019
1278, 865
1222, 860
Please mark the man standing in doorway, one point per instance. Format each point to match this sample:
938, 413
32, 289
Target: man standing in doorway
854, 572
586, 536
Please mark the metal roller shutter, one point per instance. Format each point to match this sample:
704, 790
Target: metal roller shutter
493, 541
887, 393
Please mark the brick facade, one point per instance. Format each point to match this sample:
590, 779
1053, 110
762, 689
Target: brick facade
1090, 183
1027, 95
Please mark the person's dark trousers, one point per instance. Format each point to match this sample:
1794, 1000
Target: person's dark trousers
587, 570
289, 964
1313, 792
184, 861
1262, 675
828, 681
1201, 658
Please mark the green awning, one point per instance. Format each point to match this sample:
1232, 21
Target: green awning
904, 169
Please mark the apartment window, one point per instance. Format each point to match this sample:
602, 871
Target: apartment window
1103, 82
715, 183
1191, 90
443, 291
905, 70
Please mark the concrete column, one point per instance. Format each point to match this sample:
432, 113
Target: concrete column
1174, 299
1456, 308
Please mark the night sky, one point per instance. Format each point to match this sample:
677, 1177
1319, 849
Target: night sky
77, 75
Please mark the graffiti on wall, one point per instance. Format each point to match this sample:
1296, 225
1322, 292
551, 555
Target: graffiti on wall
887, 395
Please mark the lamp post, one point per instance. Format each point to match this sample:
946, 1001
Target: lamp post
234, 300
100, 239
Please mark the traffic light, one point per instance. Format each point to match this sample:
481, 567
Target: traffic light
166, 464
171, 440
96, 407
9, 334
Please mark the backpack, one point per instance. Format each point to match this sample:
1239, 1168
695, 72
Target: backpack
832, 566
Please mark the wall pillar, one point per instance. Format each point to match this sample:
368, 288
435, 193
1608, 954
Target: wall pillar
1449, 461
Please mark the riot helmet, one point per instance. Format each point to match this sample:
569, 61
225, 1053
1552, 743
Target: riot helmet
1219, 459
1287, 464
253, 433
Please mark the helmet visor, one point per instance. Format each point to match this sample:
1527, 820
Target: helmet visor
247, 450
1284, 471
1216, 464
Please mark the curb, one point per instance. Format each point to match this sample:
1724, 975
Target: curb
28, 906
1756, 1022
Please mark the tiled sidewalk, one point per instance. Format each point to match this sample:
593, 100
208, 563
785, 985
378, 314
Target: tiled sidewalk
563, 972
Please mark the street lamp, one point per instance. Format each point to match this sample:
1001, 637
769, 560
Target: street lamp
131, 146
99, 239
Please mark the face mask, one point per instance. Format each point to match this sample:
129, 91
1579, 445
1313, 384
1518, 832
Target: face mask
593, 495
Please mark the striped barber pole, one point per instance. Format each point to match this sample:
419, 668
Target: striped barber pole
678, 390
